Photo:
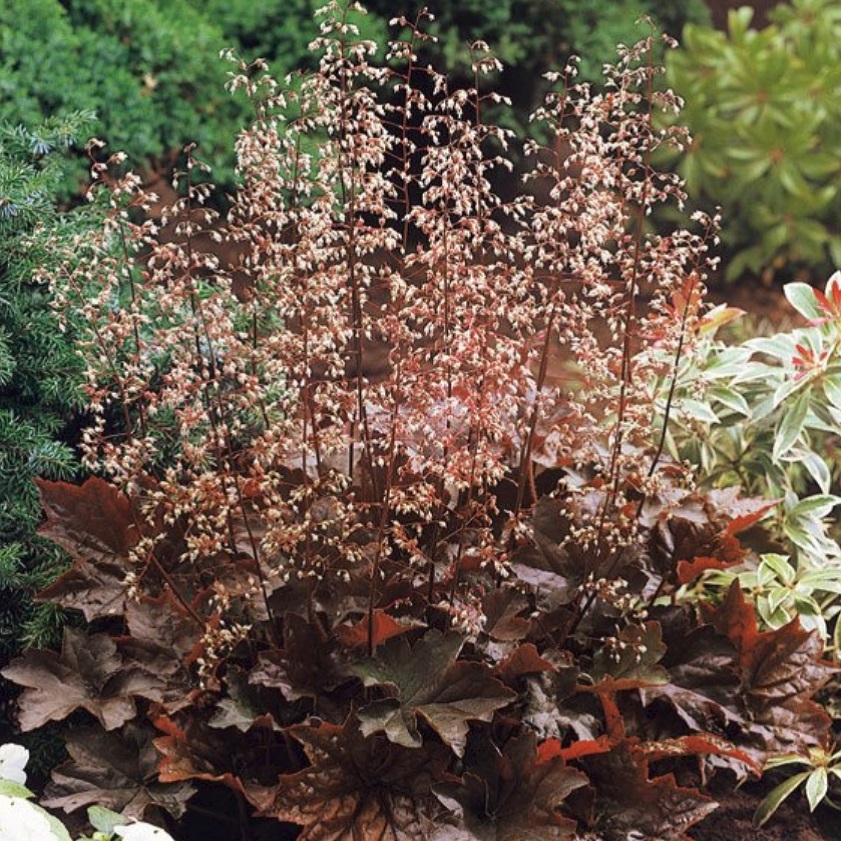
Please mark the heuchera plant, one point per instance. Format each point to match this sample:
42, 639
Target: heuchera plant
361, 550
22, 820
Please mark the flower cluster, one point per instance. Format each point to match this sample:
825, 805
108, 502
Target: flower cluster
390, 354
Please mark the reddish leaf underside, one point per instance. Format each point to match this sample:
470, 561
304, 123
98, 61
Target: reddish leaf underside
633, 805
383, 627
780, 670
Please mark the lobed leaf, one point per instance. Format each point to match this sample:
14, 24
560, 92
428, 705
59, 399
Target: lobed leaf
426, 680
116, 770
355, 787
88, 674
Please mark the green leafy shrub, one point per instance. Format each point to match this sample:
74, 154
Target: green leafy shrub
147, 69
768, 422
424, 598
764, 113
40, 385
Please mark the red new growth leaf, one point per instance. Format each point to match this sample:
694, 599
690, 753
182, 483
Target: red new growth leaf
355, 788
756, 510
523, 660
583, 747
93, 523
197, 750
697, 745
88, 674
385, 627
633, 805
689, 570
735, 619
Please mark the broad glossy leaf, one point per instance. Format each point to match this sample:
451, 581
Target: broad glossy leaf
780, 670
116, 770
802, 297
703, 669
426, 679
163, 640
96, 588
304, 667
554, 710
504, 609
634, 661
245, 705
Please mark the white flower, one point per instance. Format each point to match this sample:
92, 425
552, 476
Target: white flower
13, 759
140, 832
20, 820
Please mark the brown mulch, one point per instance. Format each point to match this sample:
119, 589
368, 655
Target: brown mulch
791, 822
764, 304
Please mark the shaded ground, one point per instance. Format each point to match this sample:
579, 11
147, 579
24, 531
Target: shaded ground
792, 822
720, 9
766, 306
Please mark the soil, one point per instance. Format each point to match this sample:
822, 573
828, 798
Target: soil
765, 305
791, 822
720, 9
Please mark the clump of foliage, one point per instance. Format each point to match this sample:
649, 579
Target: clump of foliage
763, 111
23, 820
40, 380
769, 423
430, 598
144, 67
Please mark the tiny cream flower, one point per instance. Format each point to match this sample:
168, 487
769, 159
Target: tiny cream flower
142, 832
13, 759
21, 821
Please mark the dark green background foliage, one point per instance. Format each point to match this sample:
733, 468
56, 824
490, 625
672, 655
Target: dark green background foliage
148, 68
764, 111
533, 36
40, 390
150, 71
